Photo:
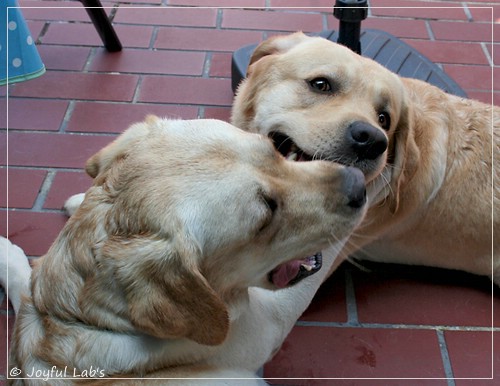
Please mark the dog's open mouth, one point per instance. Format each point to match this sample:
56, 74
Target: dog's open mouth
292, 272
288, 148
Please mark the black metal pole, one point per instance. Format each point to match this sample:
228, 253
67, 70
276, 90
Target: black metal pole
102, 25
350, 14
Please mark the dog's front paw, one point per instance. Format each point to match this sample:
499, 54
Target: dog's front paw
9, 249
73, 203
15, 271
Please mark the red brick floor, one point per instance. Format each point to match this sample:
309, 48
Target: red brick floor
389, 325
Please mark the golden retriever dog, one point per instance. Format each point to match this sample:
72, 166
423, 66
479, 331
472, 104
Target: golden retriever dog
192, 255
427, 156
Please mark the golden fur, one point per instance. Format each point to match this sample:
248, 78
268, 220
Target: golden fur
431, 195
152, 276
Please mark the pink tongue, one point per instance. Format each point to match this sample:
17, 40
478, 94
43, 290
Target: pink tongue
284, 273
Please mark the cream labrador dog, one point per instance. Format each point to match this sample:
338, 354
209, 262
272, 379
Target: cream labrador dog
192, 255
427, 156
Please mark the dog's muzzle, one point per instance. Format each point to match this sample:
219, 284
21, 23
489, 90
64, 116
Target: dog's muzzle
361, 147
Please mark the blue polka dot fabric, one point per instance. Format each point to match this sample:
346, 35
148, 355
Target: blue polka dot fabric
19, 58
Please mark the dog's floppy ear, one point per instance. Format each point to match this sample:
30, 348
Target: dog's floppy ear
100, 161
244, 103
166, 295
276, 45
405, 154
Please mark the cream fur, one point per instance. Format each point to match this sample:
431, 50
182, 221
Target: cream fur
162, 270
432, 199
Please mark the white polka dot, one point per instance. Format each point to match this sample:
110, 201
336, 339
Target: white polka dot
12, 25
17, 62
29, 40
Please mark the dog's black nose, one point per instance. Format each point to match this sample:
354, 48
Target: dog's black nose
367, 141
354, 187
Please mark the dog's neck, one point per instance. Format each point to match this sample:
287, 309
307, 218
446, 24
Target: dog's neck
237, 304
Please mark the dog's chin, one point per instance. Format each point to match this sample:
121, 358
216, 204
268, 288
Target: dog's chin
292, 272
370, 168
291, 151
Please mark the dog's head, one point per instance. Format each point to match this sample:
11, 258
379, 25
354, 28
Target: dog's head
188, 213
319, 100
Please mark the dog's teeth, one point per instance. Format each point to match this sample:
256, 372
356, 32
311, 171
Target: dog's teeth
307, 267
292, 156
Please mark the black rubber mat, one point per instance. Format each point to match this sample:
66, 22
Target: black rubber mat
380, 46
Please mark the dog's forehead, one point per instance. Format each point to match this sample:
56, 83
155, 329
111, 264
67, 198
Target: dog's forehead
320, 50
323, 54
212, 140
227, 137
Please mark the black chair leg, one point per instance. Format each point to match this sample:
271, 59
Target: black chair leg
102, 25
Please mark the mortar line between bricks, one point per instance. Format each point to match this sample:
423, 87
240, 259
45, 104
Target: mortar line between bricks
24, 167
205, 73
6, 311
487, 53
137, 90
67, 115
467, 12
112, 12
400, 326
324, 20
445, 357
350, 295
3, 311
44, 190
218, 18
154, 36
42, 32
90, 58
27, 210
81, 133
370, 13
428, 28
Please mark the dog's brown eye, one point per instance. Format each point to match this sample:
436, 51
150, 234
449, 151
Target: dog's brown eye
384, 121
321, 84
